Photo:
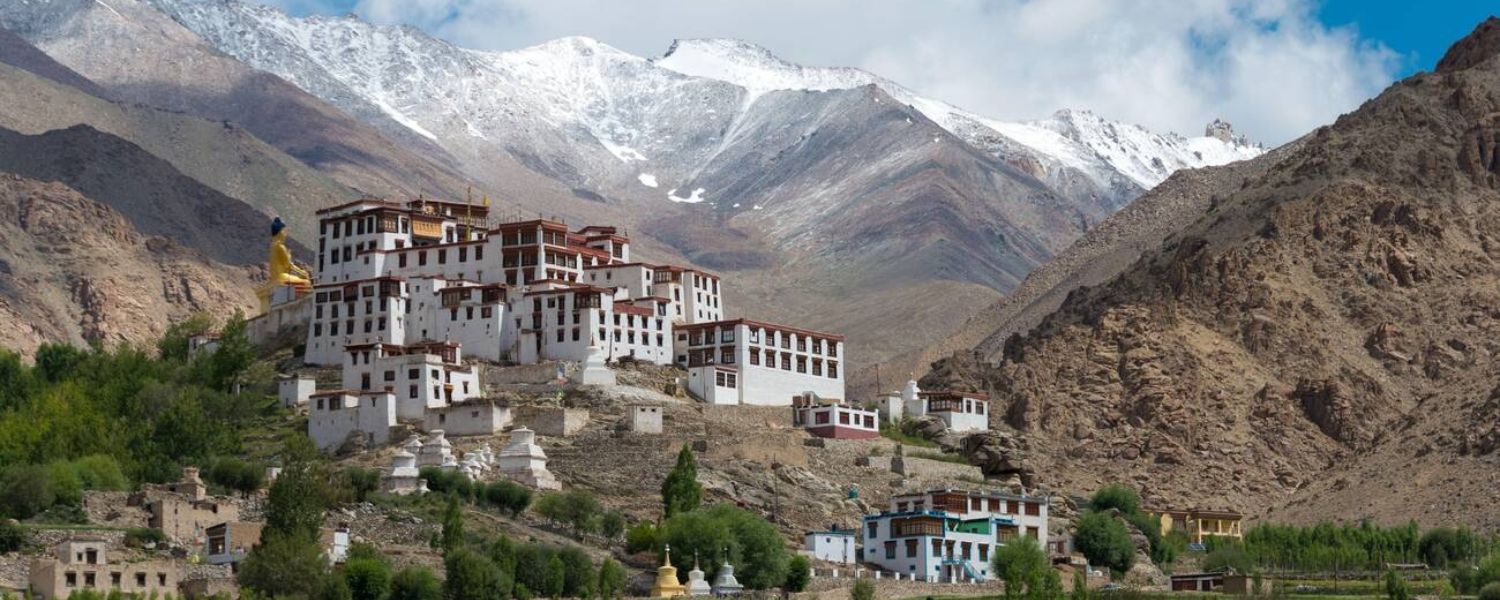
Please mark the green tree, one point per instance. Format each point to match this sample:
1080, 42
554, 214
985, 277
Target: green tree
362, 481
680, 492
415, 583
1395, 587
579, 578
611, 579
368, 578
331, 587
58, 362
25, 490
101, 472
67, 489
754, 545
173, 345
15, 380
12, 537
611, 525
798, 574
1050, 588
283, 565
470, 576
641, 537
864, 589
296, 503
1490, 592
1104, 541
508, 496
1021, 564
1116, 496
554, 577
453, 525
1080, 586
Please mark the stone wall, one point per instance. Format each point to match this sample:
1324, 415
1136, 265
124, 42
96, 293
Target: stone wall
923, 469
540, 373
552, 421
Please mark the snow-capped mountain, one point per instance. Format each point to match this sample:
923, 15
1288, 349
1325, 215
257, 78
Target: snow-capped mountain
1081, 140
664, 114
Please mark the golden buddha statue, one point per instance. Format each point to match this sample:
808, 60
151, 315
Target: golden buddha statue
666, 585
282, 270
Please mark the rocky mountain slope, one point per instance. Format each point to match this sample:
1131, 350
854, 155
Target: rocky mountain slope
1319, 343
72, 269
217, 154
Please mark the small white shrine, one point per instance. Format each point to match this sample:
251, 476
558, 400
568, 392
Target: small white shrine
696, 585
525, 462
403, 477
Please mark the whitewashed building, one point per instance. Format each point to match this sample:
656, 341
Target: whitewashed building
751, 362
333, 415
950, 535
833, 545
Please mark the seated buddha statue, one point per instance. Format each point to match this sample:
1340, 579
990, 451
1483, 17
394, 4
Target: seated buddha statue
282, 270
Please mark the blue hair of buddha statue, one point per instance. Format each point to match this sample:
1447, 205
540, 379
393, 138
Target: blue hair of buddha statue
277, 226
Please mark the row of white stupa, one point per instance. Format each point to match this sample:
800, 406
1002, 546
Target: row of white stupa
522, 460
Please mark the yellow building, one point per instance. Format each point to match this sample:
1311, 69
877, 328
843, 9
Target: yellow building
1200, 524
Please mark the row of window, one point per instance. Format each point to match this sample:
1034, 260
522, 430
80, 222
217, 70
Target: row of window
771, 339
726, 380
70, 579
964, 550
441, 255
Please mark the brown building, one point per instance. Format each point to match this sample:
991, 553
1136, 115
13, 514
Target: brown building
82, 563
184, 511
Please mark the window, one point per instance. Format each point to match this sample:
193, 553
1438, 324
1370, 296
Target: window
422, 258
817, 367
727, 336
140, 578
801, 344
443, 257
786, 362
1033, 509
755, 336
486, 312
801, 364
833, 369
890, 549
755, 356
911, 548
390, 376
726, 355
874, 529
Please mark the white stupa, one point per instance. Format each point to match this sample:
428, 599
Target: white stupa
594, 371
525, 462
725, 584
437, 452
696, 585
403, 477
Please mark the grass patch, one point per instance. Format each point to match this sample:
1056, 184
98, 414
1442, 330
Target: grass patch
940, 456
896, 434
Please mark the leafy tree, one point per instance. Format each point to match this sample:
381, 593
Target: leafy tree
362, 481
554, 578
798, 574
368, 578
331, 587
58, 362
15, 380
1490, 592
1080, 586
453, 525
283, 565
12, 537
1227, 558
680, 492
864, 589
579, 578
1050, 588
612, 524
753, 544
447, 482
470, 576
415, 583
173, 345
1022, 564
577, 508
641, 537
611, 579
508, 496
1104, 541
221, 369
1395, 587
1117, 497
101, 472
25, 490
503, 553
67, 489
296, 503
235, 474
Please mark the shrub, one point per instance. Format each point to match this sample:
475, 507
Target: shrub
576, 508
864, 589
753, 544
1105, 542
25, 490
641, 537
362, 482
579, 578
680, 492
445, 482
798, 574
507, 496
1490, 592
611, 579
13, 537
1395, 587
415, 583
470, 576
554, 578
612, 524
139, 537
101, 472
1022, 564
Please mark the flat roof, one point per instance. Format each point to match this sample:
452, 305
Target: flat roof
754, 323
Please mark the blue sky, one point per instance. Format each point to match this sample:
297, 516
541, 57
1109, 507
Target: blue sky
1418, 31
1274, 68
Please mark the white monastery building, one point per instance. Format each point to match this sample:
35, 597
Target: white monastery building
950, 535
402, 292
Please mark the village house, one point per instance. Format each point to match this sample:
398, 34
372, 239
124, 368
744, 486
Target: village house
949, 535
1199, 524
229, 542
751, 362
834, 419
960, 411
833, 545
184, 511
82, 563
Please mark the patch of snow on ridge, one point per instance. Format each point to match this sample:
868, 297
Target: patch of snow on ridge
403, 119
694, 198
647, 180
624, 153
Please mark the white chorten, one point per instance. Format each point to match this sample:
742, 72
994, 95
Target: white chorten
403, 477
525, 462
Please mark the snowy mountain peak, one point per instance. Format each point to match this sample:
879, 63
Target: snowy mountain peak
755, 68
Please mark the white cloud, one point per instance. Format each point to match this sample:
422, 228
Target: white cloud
1267, 66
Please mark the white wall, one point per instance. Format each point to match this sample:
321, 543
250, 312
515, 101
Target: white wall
831, 547
330, 424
